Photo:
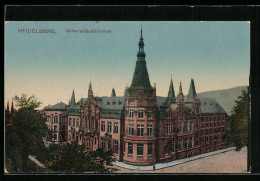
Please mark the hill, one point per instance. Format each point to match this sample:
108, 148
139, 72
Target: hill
226, 98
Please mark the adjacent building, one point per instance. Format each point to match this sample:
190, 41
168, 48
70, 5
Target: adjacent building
140, 127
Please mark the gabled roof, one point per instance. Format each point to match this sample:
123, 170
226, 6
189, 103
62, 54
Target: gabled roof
58, 106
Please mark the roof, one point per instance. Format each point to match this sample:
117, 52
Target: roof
112, 103
58, 106
210, 106
192, 92
171, 95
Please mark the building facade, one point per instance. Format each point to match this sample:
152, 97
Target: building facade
140, 127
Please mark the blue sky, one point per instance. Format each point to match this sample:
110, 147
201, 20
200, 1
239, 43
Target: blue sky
215, 54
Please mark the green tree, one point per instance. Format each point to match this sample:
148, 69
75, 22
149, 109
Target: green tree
238, 133
24, 102
24, 136
73, 158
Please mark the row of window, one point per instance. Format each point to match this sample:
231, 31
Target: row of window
73, 123
140, 113
140, 130
215, 118
210, 131
115, 144
109, 126
140, 148
211, 124
55, 118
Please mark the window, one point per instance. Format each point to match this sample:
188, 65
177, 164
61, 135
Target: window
77, 122
130, 148
69, 135
140, 113
69, 121
180, 127
166, 149
149, 130
150, 148
185, 129
103, 126
140, 130
140, 149
202, 119
73, 121
116, 146
115, 127
55, 136
55, 119
95, 139
171, 146
180, 145
109, 144
103, 144
131, 113
186, 143
55, 128
191, 127
149, 114
169, 128
131, 130
109, 126
206, 131
191, 142
48, 118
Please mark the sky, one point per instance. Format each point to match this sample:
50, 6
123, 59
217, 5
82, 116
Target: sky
50, 65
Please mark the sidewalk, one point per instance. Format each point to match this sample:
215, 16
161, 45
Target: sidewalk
172, 163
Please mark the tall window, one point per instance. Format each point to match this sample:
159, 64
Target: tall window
149, 130
115, 127
140, 149
73, 121
55, 128
103, 126
69, 121
140, 130
186, 143
55, 119
130, 148
179, 127
103, 144
180, 145
69, 135
48, 118
191, 144
131, 113
169, 128
140, 113
109, 126
109, 144
131, 130
55, 136
185, 129
116, 146
171, 146
191, 127
149, 114
77, 122
150, 148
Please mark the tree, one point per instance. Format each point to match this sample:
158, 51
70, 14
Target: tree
24, 102
73, 158
25, 135
239, 121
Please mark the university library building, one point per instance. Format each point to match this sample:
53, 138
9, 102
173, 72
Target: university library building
141, 128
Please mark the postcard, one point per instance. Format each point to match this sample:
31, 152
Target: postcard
89, 97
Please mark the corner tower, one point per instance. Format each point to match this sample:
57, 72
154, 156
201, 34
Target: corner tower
140, 115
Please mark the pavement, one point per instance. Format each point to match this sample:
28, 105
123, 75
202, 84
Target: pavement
172, 163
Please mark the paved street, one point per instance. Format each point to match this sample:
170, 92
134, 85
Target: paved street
227, 162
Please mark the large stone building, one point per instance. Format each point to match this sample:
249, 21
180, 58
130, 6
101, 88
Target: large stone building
140, 127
